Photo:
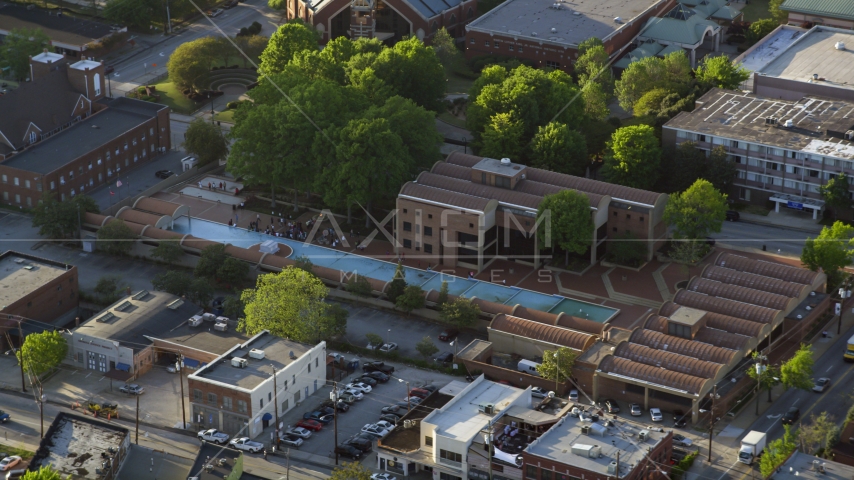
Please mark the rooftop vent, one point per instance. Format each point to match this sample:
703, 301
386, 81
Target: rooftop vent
487, 408
107, 317
29, 267
505, 161
618, 19
257, 353
175, 304
140, 295
612, 468
790, 124
124, 306
19, 261
292, 355
533, 34
576, 13
554, 30
839, 46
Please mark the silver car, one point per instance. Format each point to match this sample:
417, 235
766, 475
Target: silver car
821, 385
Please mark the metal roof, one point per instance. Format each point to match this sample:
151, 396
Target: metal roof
667, 360
444, 196
714, 336
559, 320
726, 306
768, 269
843, 9
759, 282
503, 195
651, 374
678, 30
721, 322
540, 331
741, 294
682, 346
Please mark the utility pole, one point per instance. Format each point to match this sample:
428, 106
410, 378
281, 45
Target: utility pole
760, 370
79, 224
276, 408
137, 419
557, 368
21, 348
168, 19
335, 410
288, 468
712, 421
41, 412
617, 472
180, 368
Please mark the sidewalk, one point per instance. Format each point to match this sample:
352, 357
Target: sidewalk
785, 220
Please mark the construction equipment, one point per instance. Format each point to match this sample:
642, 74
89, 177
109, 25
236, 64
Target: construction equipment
106, 410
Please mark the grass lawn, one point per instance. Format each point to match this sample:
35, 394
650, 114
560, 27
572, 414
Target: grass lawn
452, 120
171, 96
458, 84
19, 451
756, 10
226, 116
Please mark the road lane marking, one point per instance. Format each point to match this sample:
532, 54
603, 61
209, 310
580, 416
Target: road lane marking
728, 469
829, 369
796, 401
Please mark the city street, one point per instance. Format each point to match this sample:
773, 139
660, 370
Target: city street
775, 239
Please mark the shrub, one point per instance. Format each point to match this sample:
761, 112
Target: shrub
231, 105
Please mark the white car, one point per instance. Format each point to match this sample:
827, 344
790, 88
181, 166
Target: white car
9, 462
655, 414
213, 435
291, 441
573, 396
382, 476
413, 400
299, 432
635, 410
681, 440
243, 443
353, 393
539, 392
821, 385
132, 389
336, 357
359, 387
215, 13
387, 347
375, 430
385, 425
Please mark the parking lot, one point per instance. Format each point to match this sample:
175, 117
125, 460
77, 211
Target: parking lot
362, 411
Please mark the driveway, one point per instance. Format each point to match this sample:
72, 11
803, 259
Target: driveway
136, 180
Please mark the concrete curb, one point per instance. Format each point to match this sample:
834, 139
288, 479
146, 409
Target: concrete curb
782, 227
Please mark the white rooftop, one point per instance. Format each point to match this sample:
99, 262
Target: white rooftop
836, 149
460, 418
816, 53
84, 64
47, 57
770, 47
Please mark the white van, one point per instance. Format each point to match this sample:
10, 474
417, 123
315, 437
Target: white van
528, 367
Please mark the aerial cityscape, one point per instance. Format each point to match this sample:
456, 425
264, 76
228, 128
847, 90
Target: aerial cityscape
527, 239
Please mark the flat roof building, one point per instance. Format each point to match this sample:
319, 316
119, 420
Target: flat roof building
237, 389
68, 34
83, 448
801, 466
833, 13
143, 463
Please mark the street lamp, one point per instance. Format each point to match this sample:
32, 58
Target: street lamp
408, 401
388, 337
760, 369
714, 396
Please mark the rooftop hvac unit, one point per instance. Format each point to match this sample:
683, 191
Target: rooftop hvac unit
221, 327
840, 46
195, 320
643, 435
849, 135
221, 319
239, 362
612, 468
407, 423
208, 317
487, 408
589, 451
789, 124
256, 353
585, 429
618, 19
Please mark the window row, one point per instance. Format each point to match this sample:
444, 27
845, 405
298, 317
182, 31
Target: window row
407, 227
497, 44
211, 399
754, 148
407, 243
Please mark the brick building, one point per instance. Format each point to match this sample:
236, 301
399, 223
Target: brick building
469, 210
60, 132
69, 35
237, 389
784, 150
37, 293
548, 33
832, 13
387, 20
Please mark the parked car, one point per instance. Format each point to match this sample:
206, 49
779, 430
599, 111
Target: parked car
292, 440
821, 385
390, 418
215, 13
375, 430
791, 416
213, 435
413, 400
388, 347
679, 419
9, 462
323, 409
655, 414
385, 425
682, 440
372, 382
310, 424
635, 410
349, 451
426, 386
341, 406
353, 393
164, 173
347, 398
243, 443
299, 432
611, 406
374, 346
420, 392
573, 395
377, 366
404, 405
448, 334
359, 387
538, 392
732, 216
677, 455
319, 416
444, 357
362, 442
174, 367
109, 69
378, 376
382, 476
230, 5
4, 417
132, 389
393, 409
336, 357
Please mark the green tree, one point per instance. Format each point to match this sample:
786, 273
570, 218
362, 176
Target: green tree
190, 63
358, 285
796, 372
672, 72
461, 313
232, 272
781, 16
587, 44
424, 80
411, 299
374, 340
595, 101
564, 220
42, 352
443, 294
766, 376
627, 249
835, 194
814, 435
168, 251
415, 126
557, 148
592, 66
209, 262
557, 364
252, 46
289, 304
426, 347
351, 471
292, 37
680, 168
777, 452
138, 14
633, 157
18, 46
503, 137
335, 320
200, 291
172, 281
116, 238
45, 472
649, 104
721, 72
107, 288
760, 29
205, 141
59, 220
446, 48
232, 307
831, 251
398, 284
696, 212
720, 171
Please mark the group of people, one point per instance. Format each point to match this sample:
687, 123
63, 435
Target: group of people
220, 186
292, 230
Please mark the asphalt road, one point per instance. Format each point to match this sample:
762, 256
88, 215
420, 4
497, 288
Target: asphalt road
127, 70
776, 240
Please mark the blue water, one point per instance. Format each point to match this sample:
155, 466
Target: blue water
381, 270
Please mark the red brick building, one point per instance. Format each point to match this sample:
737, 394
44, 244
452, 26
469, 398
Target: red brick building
547, 32
384, 19
61, 133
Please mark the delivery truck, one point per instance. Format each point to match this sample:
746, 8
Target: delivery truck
751, 447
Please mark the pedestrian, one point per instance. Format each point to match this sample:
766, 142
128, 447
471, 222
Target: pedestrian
504, 282
265, 454
258, 216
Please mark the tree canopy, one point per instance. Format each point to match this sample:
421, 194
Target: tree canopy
777, 452
411, 299
671, 73
557, 364
292, 37
116, 237
835, 193
42, 352
190, 63
45, 472
760, 29
18, 46
205, 141
557, 148
138, 14
168, 251
462, 312
59, 220
696, 212
721, 72
564, 221
796, 372
426, 347
831, 251
351, 471
633, 157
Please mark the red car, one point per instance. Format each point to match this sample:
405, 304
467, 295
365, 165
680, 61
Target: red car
448, 334
310, 424
419, 392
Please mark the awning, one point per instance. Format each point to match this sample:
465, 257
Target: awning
267, 417
529, 416
119, 375
189, 362
123, 367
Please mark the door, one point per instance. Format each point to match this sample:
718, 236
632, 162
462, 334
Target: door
382, 463
315, 385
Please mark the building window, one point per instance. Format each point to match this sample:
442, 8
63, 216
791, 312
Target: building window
5, 179
226, 403
510, 47
285, 406
471, 225
428, 441
297, 396
641, 218
429, 215
197, 395
628, 216
18, 198
269, 396
241, 406
453, 19
551, 64
428, 248
407, 243
39, 186
17, 182
407, 227
486, 43
417, 228
261, 401
26, 183
52, 186
545, 474
452, 456
309, 368
151, 130
520, 49
530, 471
471, 40
497, 44
212, 399
316, 362
32, 137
